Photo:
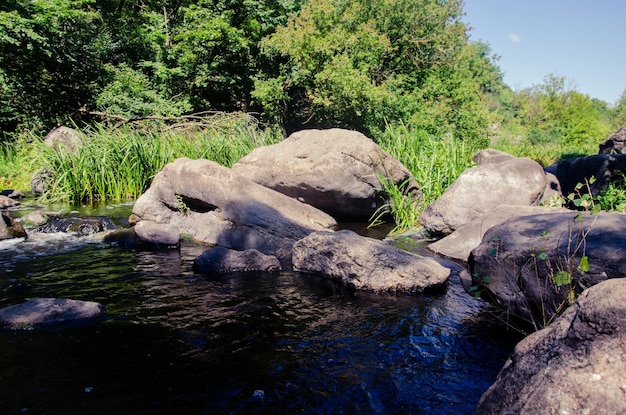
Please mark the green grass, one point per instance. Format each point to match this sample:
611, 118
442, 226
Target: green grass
119, 164
435, 163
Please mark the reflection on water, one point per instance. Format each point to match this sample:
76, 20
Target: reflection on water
179, 343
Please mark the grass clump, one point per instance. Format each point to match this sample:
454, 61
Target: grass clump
118, 164
434, 162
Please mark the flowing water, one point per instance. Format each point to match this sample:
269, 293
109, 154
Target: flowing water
175, 342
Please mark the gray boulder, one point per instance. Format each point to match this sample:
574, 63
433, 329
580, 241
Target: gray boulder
366, 264
63, 138
220, 260
157, 233
459, 244
602, 167
490, 155
50, 313
214, 205
577, 365
518, 181
525, 265
334, 170
615, 144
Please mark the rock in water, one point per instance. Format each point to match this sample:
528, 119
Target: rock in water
366, 263
50, 313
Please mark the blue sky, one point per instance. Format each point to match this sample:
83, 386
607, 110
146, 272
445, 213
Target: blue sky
582, 40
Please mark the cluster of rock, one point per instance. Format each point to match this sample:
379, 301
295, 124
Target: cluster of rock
550, 269
278, 207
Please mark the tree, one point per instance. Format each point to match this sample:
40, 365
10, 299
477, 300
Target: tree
360, 64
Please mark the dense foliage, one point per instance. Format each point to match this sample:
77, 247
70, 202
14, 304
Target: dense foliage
402, 71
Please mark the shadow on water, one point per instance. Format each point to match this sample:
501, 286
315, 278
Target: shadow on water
177, 342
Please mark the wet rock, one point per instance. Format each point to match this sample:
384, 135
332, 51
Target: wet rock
366, 264
13, 194
156, 233
334, 170
6, 202
518, 181
214, 205
79, 226
10, 228
577, 365
220, 260
50, 313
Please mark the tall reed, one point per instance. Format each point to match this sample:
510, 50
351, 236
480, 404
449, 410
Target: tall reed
118, 164
434, 162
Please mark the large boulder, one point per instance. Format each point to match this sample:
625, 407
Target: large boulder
533, 266
334, 170
519, 181
220, 260
7, 202
459, 244
580, 170
63, 138
217, 206
615, 144
50, 313
366, 263
577, 365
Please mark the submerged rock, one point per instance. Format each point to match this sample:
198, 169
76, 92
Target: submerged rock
366, 264
50, 313
220, 260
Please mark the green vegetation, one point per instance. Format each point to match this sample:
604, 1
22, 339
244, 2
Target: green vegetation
129, 74
116, 164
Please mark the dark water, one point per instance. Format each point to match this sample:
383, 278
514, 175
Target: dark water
179, 343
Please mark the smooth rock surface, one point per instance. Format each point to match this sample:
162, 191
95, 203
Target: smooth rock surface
518, 181
335, 170
366, 263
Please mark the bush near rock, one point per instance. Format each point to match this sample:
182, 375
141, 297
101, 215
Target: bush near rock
577, 365
335, 170
366, 264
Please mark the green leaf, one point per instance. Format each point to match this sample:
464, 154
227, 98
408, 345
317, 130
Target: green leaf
562, 278
486, 279
543, 256
595, 209
584, 264
493, 252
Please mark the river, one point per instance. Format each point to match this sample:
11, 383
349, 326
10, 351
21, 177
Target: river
176, 342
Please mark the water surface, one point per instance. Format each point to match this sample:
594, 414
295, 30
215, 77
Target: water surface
175, 342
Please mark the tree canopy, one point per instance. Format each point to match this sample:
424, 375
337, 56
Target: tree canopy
303, 63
